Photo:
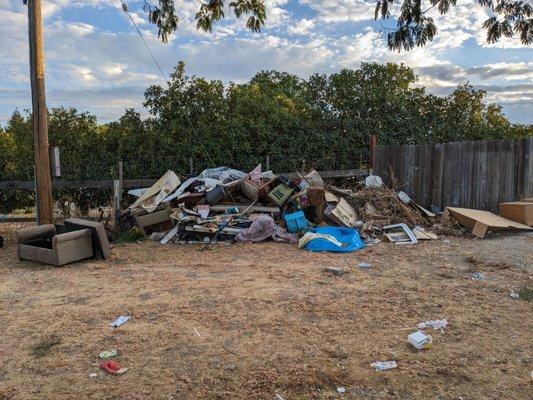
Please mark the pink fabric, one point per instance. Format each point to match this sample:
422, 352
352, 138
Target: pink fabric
263, 228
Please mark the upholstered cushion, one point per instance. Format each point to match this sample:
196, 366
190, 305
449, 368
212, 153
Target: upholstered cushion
100, 241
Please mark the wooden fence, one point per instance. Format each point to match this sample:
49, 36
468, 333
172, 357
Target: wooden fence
474, 174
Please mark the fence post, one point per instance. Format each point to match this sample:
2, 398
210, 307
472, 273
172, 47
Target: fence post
372, 152
267, 163
117, 193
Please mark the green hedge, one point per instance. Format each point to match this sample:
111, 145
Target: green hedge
323, 122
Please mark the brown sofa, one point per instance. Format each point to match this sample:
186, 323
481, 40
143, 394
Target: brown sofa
44, 245
76, 240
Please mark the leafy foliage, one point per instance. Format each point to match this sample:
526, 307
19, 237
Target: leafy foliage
164, 15
324, 122
414, 28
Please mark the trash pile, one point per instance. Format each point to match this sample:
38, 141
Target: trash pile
224, 204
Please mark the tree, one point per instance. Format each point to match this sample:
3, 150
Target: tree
164, 15
415, 28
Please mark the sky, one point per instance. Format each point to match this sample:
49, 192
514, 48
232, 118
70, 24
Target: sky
96, 62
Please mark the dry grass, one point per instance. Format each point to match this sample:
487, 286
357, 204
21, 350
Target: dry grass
253, 321
43, 346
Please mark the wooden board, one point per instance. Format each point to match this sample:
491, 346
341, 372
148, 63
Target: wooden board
480, 221
519, 211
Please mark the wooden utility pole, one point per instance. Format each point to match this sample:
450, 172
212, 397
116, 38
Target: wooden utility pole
43, 182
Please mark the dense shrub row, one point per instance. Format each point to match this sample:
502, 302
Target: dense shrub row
324, 122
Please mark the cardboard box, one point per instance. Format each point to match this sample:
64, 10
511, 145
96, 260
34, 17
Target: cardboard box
519, 211
480, 222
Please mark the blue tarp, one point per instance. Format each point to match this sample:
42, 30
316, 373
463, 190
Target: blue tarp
349, 237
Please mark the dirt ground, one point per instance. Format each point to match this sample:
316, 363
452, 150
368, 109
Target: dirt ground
257, 321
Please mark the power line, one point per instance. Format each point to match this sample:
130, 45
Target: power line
125, 8
198, 137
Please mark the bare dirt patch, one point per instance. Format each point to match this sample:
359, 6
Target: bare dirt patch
253, 321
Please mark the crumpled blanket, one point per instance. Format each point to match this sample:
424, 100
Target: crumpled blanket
263, 228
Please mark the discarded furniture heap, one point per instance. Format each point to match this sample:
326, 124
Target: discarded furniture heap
224, 204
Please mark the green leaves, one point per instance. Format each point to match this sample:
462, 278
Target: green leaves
165, 18
414, 28
323, 122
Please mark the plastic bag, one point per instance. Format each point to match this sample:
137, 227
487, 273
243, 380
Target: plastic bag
348, 237
223, 174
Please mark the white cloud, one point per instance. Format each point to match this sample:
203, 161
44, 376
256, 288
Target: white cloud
105, 71
302, 27
342, 10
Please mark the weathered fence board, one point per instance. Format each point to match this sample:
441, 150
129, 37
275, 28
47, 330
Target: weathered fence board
473, 174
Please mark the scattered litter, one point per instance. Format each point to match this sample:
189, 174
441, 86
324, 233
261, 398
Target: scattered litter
445, 241
278, 397
435, 324
341, 389
422, 234
373, 182
405, 237
157, 236
384, 365
363, 265
119, 321
478, 276
514, 295
334, 270
169, 235
104, 355
404, 197
93, 375
420, 340
112, 367
197, 333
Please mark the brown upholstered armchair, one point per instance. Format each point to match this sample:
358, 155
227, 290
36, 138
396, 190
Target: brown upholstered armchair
45, 245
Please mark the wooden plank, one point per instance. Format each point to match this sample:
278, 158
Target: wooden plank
437, 175
528, 168
447, 171
455, 161
509, 193
519, 167
428, 173
479, 175
467, 163
493, 173
417, 167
